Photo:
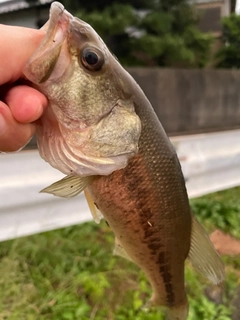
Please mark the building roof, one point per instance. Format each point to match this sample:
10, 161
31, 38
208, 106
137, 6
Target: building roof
16, 5
205, 1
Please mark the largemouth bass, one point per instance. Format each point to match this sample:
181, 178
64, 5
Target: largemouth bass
101, 131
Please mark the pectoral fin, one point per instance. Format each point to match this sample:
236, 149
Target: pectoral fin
96, 213
119, 250
203, 255
68, 187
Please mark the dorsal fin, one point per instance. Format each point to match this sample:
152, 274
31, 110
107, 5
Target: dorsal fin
203, 255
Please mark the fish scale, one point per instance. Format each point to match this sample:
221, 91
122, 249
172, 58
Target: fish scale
143, 217
101, 131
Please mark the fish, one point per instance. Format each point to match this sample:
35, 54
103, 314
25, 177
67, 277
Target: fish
102, 132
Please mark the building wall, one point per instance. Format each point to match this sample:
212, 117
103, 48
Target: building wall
211, 13
26, 18
190, 101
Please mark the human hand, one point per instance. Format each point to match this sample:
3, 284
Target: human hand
20, 105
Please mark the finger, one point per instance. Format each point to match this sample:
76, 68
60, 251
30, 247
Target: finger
13, 135
19, 45
26, 103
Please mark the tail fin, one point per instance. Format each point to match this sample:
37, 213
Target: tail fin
203, 255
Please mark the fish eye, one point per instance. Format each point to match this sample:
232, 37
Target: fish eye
92, 59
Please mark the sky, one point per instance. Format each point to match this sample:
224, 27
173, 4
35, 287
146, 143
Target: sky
238, 6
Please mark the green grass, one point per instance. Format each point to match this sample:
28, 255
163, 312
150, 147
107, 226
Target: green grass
71, 273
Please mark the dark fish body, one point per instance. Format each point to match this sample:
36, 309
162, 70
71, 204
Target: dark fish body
146, 206
101, 131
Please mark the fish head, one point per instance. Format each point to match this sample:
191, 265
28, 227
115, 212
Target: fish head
90, 126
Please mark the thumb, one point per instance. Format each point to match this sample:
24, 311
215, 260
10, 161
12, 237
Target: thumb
17, 45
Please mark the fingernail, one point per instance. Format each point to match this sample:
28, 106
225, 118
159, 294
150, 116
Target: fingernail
3, 125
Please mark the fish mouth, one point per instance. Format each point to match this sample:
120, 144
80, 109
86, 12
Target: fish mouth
62, 30
40, 66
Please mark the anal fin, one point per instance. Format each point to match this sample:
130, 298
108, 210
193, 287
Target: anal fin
119, 250
96, 213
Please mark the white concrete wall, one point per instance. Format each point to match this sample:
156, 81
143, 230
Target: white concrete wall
23, 210
210, 162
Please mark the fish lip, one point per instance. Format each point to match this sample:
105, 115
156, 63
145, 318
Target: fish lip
59, 17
